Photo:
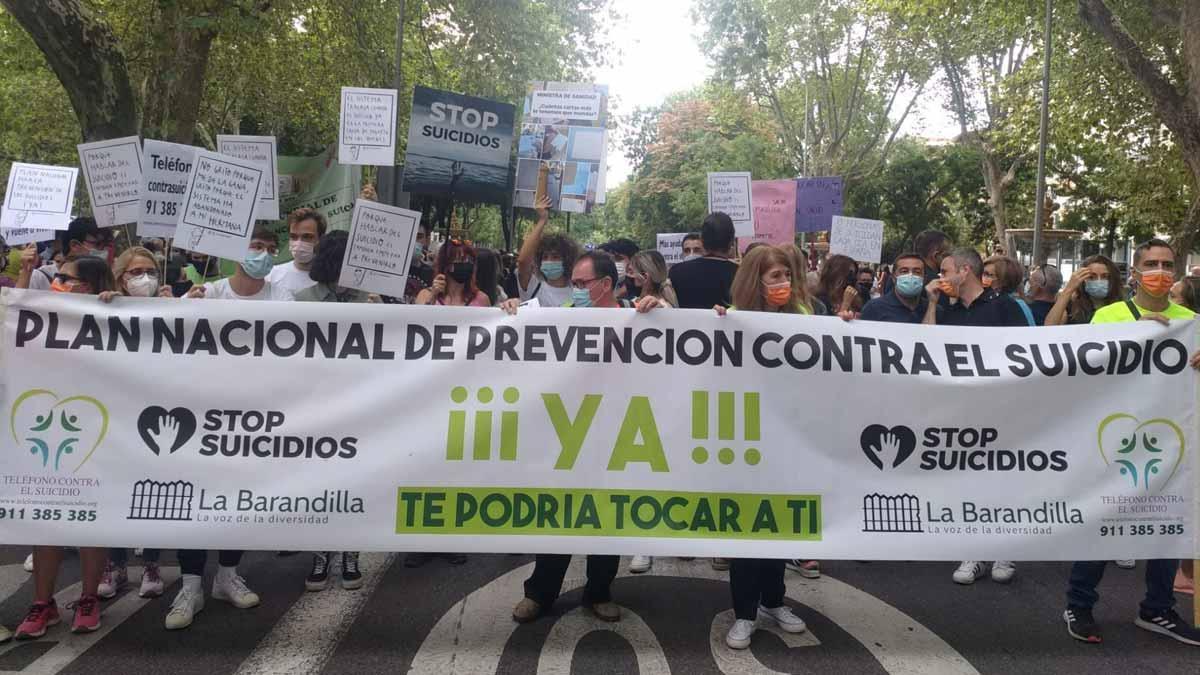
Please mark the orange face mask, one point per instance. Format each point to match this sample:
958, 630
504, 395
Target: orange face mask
59, 287
948, 288
778, 295
1158, 282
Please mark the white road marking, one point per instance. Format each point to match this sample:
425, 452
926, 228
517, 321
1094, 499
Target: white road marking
305, 639
571, 627
12, 577
70, 646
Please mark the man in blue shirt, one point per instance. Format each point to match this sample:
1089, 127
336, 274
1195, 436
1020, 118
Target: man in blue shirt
905, 303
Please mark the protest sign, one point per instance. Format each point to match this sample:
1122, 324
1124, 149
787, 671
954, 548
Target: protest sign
367, 129
261, 151
774, 204
25, 235
818, 200
322, 184
730, 193
857, 238
459, 146
564, 141
164, 181
380, 248
219, 204
463, 429
671, 246
112, 171
38, 197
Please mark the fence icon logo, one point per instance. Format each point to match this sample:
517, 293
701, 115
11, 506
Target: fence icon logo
891, 513
155, 500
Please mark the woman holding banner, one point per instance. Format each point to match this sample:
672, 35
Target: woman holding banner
766, 281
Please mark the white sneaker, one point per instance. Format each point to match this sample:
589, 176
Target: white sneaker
739, 634
184, 608
28, 563
152, 583
1126, 564
113, 580
782, 615
640, 564
5, 634
234, 591
1003, 571
968, 572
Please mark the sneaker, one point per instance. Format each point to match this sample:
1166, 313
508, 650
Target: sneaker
1003, 571
809, 569
526, 610
1082, 626
606, 611
1170, 624
1126, 564
414, 560
113, 580
318, 578
739, 634
351, 575
152, 583
187, 604
233, 590
41, 616
969, 572
640, 564
782, 615
5, 635
720, 564
28, 566
87, 614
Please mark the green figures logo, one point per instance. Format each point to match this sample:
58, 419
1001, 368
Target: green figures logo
1148, 454
58, 431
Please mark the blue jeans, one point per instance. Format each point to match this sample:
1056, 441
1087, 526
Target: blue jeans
1160, 582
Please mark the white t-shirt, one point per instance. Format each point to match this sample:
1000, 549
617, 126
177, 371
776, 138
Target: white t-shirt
288, 276
42, 276
221, 290
547, 295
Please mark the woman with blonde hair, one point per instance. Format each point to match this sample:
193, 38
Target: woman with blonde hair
648, 271
768, 281
137, 275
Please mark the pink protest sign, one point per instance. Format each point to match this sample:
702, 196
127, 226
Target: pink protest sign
774, 203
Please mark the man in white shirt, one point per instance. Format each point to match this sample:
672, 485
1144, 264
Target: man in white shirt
249, 282
305, 229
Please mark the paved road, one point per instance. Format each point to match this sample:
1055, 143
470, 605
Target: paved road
863, 618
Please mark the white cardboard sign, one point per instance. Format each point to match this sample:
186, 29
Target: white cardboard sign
380, 248
859, 239
261, 150
112, 170
671, 246
729, 192
38, 197
218, 208
164, 182
558, 104
26, 235
367, 129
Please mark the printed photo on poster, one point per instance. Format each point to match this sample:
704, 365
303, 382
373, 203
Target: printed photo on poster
563, 130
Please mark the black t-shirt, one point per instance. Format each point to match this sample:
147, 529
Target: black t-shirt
703, 282
1040, 309
989, 309
889, 308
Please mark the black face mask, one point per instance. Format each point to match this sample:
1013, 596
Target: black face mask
864, 290
179, 288
461, 272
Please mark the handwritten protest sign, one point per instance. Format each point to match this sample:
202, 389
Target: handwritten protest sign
164, 181
774, 213
261, 151
38, 196
857, 238
113, 172
367, 133
26, 235
729, 193
218, 207
380, 248
671, 246
818, 200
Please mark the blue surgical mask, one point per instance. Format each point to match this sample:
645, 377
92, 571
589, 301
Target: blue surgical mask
552, 269
909, 285
258, 264
1096, 288
418, 250
581, 297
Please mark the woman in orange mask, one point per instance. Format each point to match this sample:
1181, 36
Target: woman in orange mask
767, 281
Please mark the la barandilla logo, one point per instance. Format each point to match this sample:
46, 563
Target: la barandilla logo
1148, 454
58, 430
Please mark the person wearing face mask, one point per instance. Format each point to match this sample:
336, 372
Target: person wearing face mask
249, 282
838, 286
906, 302
136, 272
622, 251
82, 238
1042, 290
865, 284
1002, 275
1154, 273
693, 248
545, 263
1096, 284
305, 228
454, 278
647, 272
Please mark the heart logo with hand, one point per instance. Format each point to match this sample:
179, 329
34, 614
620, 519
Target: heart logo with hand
56, 428
887, 446
165, 431
1147, 453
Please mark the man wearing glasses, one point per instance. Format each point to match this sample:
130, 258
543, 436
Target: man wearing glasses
82, 238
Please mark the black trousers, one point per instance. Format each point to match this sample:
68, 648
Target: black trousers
120, 556
544, 585
192, 561
755, 581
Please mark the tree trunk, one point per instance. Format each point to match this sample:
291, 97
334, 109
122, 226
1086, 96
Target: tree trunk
993, 181
83, 53
187, 91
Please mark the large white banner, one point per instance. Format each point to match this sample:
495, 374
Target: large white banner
390, 427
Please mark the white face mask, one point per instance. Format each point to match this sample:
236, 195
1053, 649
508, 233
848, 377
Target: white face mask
142, 286
302, 251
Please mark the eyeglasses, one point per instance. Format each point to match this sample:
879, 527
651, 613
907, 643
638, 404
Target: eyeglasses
582, 284
139, 272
